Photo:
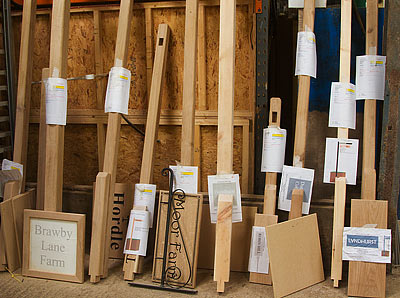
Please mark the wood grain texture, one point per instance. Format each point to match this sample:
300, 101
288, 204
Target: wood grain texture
367, 279
9, 236
149, 48
223, 241
24, 86
295, 255
296, 205
201, 59
55, 133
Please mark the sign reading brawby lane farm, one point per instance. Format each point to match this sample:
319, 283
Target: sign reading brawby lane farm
54, 245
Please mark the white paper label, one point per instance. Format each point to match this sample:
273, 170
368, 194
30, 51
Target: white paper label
341, 157
342, 109
225, 184
185, 178
10, 165
370, 77
137, 233
145, 195
367, 245
56, 101
306, 54
118, 87
53, 245
292, 178
300, 3
273, 156
259, 258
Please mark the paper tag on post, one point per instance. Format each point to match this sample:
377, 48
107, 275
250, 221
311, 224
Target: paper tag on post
342, 109
10, 165
306, 54
367, 245
56, 101
145, 195
118, 87
370, 77
137, 233
273, 155
185, 178
259, 258
300, 3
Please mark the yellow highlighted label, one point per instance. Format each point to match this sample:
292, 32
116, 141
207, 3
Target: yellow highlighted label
148, 190
277, 135
351, 90
187, 173
59, 87
124, 77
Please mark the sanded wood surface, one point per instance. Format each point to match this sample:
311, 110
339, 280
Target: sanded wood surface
367, 279
24, 85
223, 241
369, 129
149, 48
55, 133
201, 59
42, 144
303, 95
189, 83
263, 220
295, 255
296, 205
338, 225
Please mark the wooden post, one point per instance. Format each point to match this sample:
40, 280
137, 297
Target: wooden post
225, 137
42, 143
132, 262
55, 133
340, 184
296, 205
368, 162
24, 86
201, 60
149, 48
303, 95
189, 83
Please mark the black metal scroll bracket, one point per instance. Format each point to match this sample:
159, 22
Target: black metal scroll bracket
164, 284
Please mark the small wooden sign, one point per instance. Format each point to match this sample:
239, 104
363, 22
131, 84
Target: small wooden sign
184, 234
54, 245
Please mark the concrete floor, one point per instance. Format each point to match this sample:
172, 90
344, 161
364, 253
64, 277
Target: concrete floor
114, 286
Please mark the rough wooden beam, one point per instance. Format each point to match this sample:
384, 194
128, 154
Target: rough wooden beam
55, 133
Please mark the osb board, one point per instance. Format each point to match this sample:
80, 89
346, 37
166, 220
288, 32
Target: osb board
183, 239
295, 255
241, 238
368, 279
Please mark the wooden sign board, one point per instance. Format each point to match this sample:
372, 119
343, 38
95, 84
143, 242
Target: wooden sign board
367, 279
54, 245
241, 239
184, 231
295, 255
122, 204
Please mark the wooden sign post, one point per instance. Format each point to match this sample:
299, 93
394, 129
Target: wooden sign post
340, 184
268, 217
132, 262
225, 139
105, 189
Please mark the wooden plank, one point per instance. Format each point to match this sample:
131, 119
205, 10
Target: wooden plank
338, 225
367, 279
96, 262
244, 185
9, 236
132, 263
368, 189
100, 88
149, 48
24, 86
42, 143
287, 241
184, 238
223, 241
11, 189
263, 220
55, 133
369, 129
296, 205
3, 261
201, 60
189, 83
197, 152
303, 95
114, 119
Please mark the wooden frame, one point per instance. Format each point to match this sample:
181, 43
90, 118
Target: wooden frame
79, 219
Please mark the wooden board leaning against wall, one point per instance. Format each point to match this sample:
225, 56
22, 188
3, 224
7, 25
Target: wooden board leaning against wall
81, 162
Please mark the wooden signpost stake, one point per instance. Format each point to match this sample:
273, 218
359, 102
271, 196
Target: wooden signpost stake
268, 217
225, 138
55, 133
340, 188
105, 196
132, 262
24, 85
